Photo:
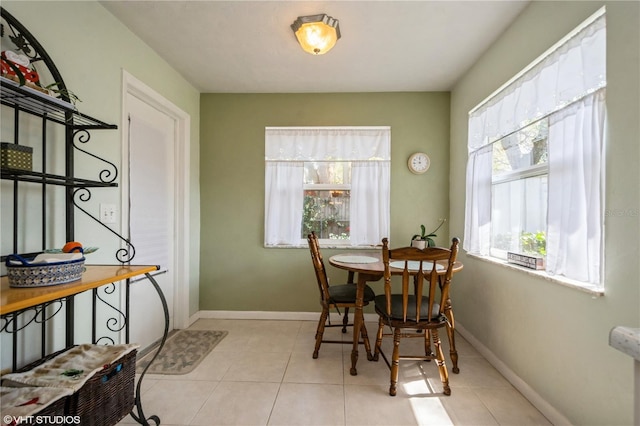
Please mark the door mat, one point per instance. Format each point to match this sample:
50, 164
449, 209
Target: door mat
182, 352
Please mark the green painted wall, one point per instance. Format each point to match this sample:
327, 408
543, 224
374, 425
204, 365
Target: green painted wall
237, 272
553, 337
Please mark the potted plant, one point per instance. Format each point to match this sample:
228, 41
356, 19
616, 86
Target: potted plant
423, 239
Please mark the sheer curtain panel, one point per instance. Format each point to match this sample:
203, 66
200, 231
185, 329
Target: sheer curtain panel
371, 190
576, 174
283, 202
571, 70
477, 230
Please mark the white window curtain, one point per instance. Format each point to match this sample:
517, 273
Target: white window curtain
477, 230
575, 67
285, 151
576, 173
571, 70
328, 144
283, 202
370, 183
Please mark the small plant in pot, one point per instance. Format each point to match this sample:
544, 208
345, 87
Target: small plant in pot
423, 239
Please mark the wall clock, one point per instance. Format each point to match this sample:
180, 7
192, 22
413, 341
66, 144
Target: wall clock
419, 163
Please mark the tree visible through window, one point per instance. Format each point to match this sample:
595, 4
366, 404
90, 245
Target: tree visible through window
327, 198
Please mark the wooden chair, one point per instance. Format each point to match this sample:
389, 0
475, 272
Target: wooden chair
423, 310
334, 297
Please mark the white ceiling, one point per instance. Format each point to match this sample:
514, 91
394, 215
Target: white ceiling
386, 46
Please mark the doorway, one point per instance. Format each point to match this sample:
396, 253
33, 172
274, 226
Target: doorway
155, 206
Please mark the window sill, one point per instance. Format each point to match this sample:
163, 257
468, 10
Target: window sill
577, 285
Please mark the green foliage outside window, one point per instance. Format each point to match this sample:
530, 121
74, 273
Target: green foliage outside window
321, 215
534, 242
530, 242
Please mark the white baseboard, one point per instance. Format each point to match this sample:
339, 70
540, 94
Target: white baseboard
193, 318
549, 411
260, 315
269, 315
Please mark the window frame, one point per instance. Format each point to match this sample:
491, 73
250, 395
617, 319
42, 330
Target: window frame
518, 175
326, 187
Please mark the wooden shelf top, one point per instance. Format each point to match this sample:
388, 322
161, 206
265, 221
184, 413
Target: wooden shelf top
17, 299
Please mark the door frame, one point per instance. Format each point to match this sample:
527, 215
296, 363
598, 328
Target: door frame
181, 154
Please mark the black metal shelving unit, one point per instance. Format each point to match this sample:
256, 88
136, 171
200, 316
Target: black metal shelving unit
20, 99
25, 100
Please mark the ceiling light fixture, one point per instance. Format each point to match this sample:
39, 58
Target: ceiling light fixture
317, 34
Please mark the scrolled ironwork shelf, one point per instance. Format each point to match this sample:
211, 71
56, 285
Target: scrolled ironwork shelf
50, 179
43, 105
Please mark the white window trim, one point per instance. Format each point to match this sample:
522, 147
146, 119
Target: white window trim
326, 187
532, 171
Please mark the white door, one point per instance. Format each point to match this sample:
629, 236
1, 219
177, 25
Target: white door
152, 177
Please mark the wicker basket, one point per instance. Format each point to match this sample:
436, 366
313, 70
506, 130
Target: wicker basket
105, 398
29, 275
58, 408
45, 416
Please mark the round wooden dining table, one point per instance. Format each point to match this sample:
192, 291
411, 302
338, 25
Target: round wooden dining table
369, 268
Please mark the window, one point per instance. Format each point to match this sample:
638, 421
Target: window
536, 169
331, 180
327, 199
519, 192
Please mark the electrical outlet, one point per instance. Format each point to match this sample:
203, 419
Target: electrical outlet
108, 213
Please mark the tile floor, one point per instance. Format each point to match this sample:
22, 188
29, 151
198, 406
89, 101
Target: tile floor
263, 373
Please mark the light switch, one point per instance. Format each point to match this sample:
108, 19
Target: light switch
108, 213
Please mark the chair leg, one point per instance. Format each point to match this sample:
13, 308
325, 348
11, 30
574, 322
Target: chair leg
427, 344
442, 367
378, 345
345, 320
395, 362
320, 331
365, 339
451, 333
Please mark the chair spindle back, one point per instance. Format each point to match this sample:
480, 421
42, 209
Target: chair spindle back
419, 269
318, 265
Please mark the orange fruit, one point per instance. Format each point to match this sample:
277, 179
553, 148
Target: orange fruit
72, 246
